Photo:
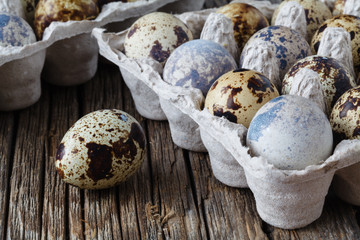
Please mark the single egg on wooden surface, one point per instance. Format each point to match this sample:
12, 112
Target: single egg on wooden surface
289, 46
48, 11
101, 150
316, 12
335, 79
198, 64
238, 95
345, 116
352, 25
156, 35
246, 20
291, 132
15, 31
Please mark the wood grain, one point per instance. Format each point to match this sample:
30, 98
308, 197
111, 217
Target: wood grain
174, 195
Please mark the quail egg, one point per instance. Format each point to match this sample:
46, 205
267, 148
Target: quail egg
345, 116
246, 20
339, 7
335, 79
291, 132
155, 36
352, 25
48, 11
238, 95
198, 64
316, 13
15, 31
289, 46
101, 150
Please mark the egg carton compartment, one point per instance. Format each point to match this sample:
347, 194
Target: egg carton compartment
284, 198
67, 54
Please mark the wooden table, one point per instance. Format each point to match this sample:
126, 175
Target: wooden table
173, 196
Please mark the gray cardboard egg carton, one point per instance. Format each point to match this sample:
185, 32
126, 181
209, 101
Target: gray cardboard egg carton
67, 55
284, 198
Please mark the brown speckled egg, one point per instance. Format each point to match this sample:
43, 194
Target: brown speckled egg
48, 11
335, 79
246, 19
101, 150
352, 25
339, 7
238, 95
316, 13
156, 35
345, 116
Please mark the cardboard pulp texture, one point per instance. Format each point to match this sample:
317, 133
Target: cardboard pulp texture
284, 198
69, 52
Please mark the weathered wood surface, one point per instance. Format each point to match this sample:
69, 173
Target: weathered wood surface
174, 195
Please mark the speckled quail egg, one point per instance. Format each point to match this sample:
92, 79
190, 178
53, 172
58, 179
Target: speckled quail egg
101, 150
238, 95
289, 45
335, 78
15, 31
291, 132
29, 9
352, 25
316, 13
156, 35
48, 11
246, 19
339, 7
198, 64
345, 116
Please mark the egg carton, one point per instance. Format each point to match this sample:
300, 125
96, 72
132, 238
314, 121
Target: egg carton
67, 55
284, 198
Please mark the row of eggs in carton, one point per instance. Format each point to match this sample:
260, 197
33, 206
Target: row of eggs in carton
281, 147
62, 51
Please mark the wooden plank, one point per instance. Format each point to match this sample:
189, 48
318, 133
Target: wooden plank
135, 193
174, 211
101, 211
7, 130
228, 212
58, 217
25, 205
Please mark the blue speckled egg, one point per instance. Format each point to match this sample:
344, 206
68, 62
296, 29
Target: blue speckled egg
291, 132
15, 31
198, 64
289, 44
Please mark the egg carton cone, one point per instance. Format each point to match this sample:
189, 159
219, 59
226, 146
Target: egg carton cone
346, 184
284, 198
63, 57
20, 87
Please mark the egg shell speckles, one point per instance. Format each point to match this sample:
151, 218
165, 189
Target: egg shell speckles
352, 25
48, 11
335, 79
246, 19
345, 116
291, 132
198, 64
101, 150
289, 45
316, 13
15, 31
339, 7
156, 35
238, 95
